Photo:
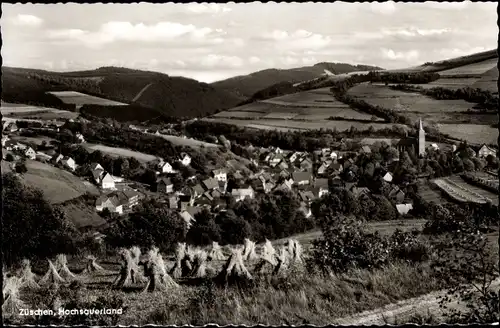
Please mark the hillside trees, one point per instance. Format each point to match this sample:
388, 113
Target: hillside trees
27, 216
150, 224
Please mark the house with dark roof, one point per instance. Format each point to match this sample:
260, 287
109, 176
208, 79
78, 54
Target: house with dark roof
320, 187
189, 215
302, 178
210, 184
185, 201
164, 185
306, 164
397, 195
197, 190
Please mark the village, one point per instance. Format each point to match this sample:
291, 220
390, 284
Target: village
309, 175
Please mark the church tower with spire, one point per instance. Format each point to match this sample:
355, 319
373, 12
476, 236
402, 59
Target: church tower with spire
421, 139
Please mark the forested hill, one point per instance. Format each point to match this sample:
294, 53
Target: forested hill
247, 85
172, 96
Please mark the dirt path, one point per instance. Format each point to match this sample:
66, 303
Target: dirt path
396, 313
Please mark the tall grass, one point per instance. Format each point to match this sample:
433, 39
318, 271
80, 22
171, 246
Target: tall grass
299, 298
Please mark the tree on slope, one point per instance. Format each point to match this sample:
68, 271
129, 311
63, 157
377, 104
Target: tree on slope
27, 216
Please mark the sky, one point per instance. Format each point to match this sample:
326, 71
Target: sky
214, 41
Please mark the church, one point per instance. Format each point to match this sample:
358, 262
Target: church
417, 144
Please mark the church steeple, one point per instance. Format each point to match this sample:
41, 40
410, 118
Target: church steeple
421, 139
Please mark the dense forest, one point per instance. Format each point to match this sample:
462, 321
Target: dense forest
246, 86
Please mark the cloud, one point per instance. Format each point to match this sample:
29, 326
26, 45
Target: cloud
207, 8
386, 8
414, 32
126, 31
407, 56
27, 20
444, 5
299, 39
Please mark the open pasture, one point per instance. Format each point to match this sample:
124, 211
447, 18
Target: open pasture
22, 110
114, 151
476, 69
179, 141
57, 185
79, 99
300, 125
401, 101
239, 114
488, 81
473, 133
315, 105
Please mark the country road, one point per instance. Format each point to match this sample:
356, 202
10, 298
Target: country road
398, 312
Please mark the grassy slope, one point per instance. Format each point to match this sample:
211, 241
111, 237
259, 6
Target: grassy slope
58, 185
246, 85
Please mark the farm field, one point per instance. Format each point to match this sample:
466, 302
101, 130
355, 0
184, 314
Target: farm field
463, 192
33, 140
58, 185
45, 113
179, 141
430, 195
313, 108
488, 81
291, 125
480, 191
381, 95
476, 69
114, 151
77, 98
473, 133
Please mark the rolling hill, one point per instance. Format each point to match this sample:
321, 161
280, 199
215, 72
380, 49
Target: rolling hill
165, 95
245, 86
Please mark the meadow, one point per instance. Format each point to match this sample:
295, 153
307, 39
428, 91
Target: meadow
115, 151
306, 110
476, 69
80, 99
400, 101
179, 141
58, 185
25, 111
291, 125
473, 133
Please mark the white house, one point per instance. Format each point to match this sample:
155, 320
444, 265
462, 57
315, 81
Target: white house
30, 153
185, 159
165, 167
113, 204
220, 175
80, 137
69, 163
242, 193
388, 177
4, 140
484, 151
107, 181
334, 155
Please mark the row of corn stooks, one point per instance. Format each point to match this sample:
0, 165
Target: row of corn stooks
153, 272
